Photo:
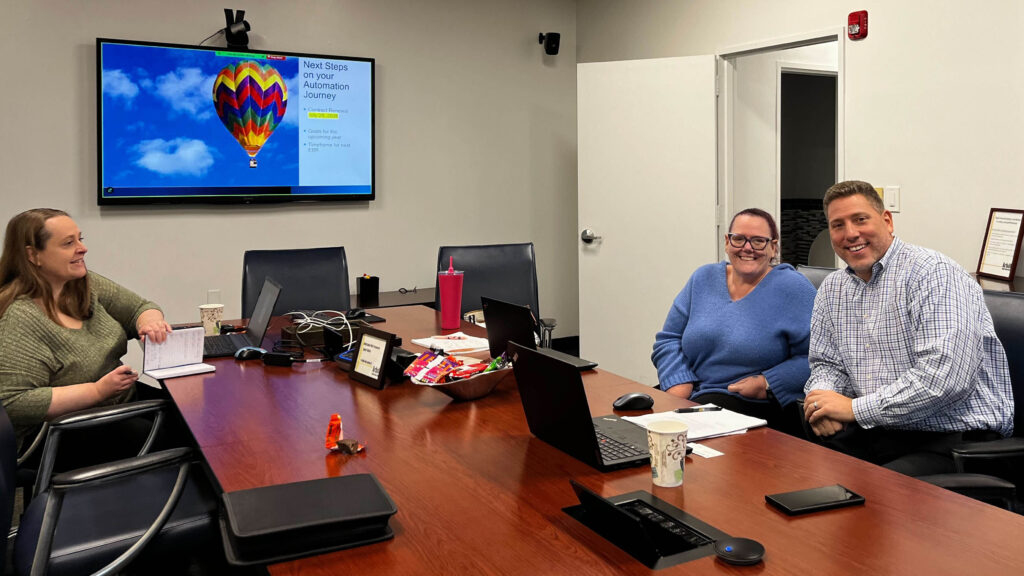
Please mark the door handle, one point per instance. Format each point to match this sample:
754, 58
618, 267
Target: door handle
588, 236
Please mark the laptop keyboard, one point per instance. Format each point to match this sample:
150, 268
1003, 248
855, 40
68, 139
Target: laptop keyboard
670, 535
612, 449
218, 346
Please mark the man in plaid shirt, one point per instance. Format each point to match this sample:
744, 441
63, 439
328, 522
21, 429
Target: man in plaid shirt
904, 360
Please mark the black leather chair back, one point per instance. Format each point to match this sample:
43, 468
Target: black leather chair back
1007, 310
8, 468
310, 279
816, 274
502, 271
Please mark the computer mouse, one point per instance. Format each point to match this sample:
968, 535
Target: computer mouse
633, 401
249, 353
739, 551
356, 314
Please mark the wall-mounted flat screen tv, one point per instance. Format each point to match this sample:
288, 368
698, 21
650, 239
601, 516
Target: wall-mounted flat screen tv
186, 124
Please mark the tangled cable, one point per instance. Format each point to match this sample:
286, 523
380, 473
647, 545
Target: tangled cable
304, 322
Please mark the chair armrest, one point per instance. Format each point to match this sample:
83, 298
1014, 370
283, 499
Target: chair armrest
97, 416
104, 414
36, 443
982, 487
119, 468
962, 481
1004, 447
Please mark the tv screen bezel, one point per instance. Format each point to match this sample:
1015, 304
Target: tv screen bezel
233, 199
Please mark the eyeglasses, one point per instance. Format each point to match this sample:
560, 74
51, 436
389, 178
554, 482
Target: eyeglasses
756, 242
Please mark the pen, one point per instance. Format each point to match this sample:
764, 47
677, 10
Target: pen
698, 409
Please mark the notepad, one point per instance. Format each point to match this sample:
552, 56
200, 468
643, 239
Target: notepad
704, 424
181, 354
457, 343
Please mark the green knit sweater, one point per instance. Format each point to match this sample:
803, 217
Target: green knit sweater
37, 354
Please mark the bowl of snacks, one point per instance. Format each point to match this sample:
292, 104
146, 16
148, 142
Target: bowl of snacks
460, 378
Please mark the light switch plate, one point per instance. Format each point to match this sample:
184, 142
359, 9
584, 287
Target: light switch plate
891, 198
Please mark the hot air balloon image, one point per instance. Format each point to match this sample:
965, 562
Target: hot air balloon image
250, 101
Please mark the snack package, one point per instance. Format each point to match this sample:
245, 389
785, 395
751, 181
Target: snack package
439, 371
467, 371
497, 364
422, 363
348, 446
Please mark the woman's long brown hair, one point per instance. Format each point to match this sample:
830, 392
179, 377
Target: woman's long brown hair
19, 277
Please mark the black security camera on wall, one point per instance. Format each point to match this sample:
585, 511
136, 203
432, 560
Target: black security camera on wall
550, 42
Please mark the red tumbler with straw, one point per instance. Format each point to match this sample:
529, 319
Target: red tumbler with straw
450, 285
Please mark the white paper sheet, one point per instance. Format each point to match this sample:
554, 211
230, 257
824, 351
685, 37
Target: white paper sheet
704, 424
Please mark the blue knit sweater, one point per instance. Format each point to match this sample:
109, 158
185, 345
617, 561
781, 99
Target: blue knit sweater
712, 341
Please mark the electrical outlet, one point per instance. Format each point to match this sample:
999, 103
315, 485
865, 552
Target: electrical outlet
213, 296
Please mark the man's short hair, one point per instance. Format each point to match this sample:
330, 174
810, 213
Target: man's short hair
853, 188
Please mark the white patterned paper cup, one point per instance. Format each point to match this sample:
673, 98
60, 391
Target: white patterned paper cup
211, 315
667, 441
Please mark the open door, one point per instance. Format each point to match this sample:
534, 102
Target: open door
647, 190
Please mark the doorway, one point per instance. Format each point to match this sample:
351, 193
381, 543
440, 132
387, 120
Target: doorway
807, 162
751, 150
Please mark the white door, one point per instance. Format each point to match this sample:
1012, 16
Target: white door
647, 187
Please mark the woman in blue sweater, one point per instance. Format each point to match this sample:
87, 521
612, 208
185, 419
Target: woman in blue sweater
737, 334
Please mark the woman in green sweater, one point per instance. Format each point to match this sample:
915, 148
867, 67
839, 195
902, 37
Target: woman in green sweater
63, 329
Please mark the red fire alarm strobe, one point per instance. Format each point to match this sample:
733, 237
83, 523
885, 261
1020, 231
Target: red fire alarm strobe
857, 25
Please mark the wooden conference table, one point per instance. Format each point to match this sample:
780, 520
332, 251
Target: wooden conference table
477, 494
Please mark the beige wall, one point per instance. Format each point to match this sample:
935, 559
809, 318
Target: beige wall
473, 120
476, 141
933, 95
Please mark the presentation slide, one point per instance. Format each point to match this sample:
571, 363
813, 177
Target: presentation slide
334, 122
208, 122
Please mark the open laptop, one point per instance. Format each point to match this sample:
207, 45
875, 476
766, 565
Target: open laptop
557, 411
228, 344
514, 323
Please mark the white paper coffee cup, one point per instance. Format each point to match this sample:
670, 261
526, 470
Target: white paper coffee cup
667, 442
211, 315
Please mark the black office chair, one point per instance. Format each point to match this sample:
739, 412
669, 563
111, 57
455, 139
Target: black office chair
992, 470
310, 279
501, 271
816, 274
152, 510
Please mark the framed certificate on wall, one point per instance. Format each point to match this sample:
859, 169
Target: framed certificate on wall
1001, 248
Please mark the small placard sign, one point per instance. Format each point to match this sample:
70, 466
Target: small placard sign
372, 354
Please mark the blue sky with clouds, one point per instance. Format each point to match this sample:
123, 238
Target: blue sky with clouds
160, 126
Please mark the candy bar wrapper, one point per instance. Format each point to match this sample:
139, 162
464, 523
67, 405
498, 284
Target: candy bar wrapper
439, 371
467, 371
422, 363
348, 446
